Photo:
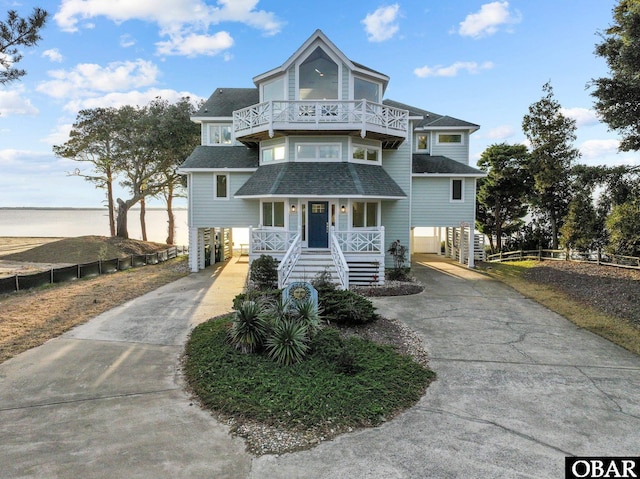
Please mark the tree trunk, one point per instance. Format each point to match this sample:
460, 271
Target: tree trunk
143, 224
171, 221
121, 220
498, 224
110, 205
554, 230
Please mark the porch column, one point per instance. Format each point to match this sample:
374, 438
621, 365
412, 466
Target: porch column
193, 250
200, 249
472, 248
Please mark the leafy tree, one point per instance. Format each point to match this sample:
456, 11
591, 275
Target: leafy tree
582, 229
624, 229
502, 194
617, 96
93, 139
551, 135
14, 33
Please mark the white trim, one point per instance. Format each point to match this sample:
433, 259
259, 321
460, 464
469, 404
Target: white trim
184, 171
215, 187
462, 186
346, 197
460, 143
200, 119
448, 175
302, 58
317, 158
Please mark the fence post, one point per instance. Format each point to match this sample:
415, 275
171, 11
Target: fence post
17, 283
599, 255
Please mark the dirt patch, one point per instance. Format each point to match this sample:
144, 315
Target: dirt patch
614, 291
31, 255
30, 318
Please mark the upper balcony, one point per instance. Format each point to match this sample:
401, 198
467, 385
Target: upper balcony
332, 117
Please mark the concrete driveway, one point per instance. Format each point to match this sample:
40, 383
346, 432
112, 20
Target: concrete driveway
518, 389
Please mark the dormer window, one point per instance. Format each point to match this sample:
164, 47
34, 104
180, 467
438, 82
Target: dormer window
365, 90
219, 134
318, 77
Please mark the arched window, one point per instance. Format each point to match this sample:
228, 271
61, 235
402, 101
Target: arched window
318, 77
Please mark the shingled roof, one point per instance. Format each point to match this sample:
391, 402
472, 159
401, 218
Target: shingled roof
431, 119
224, 101
218, 157
337, 179
441, 165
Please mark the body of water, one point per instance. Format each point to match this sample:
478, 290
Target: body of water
70, 222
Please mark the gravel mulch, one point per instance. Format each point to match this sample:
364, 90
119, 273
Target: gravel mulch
614, 291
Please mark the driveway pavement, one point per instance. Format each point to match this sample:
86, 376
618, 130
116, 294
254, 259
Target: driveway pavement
518, 389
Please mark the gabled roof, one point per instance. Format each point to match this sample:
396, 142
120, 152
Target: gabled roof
335, 179
224, 101
319, 37
423, 164
222, 157
432, 120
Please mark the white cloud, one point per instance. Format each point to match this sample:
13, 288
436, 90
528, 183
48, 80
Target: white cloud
594, 149
488, 19
87, 78
127, 41
501, 132
452, 70
381, 25
135, 97
582, 116
53, 54
59, 135
177, 19
193, 45
13, 102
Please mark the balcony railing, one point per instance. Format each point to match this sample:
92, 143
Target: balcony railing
360, 115
358, 241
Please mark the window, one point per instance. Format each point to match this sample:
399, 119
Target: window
457, 190
219, 134
364, 215
365, 153
318, 77
274, 90
449, 138
221, 182
273, 214
274, 153
422, 141
365, 90
314, 152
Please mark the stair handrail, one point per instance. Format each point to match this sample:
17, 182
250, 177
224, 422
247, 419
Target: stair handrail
339, 261
289, 260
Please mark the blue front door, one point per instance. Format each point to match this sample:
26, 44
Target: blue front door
318, 224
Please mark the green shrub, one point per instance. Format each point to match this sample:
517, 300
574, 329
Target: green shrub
249, 327
398, 274
306, 313
263, 273
323, 283
264, 297
287, 343
347, 308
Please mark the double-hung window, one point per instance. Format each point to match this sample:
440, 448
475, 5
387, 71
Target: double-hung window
273, 214
364, 214
457, 190
221, 186
219, 134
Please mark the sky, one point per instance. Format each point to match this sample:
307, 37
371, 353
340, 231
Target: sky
481, 61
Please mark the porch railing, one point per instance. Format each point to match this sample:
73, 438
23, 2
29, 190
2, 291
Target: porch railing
339, 260
289, 261
360, 114
365, 241
268, 241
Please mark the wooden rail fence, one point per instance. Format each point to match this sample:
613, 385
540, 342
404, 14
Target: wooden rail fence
597, 257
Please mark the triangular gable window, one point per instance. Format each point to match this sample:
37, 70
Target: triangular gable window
318, 77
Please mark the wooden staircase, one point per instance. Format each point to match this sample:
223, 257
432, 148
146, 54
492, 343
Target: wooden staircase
310, 264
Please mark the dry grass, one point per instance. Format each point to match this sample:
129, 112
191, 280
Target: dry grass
617, 329
30, 318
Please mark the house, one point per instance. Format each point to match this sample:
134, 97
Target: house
325, 173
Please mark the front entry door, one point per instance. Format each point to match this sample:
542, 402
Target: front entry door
318, 224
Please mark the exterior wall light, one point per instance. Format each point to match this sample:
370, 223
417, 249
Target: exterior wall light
343, 209
293, 208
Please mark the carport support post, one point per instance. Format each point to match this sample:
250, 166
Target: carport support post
472, 247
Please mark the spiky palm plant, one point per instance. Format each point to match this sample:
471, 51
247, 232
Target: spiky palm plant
306, 313
288, 342
248, 328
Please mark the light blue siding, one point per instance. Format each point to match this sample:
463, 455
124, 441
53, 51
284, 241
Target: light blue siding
457, 152
207, 212
430, 204
395, 213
